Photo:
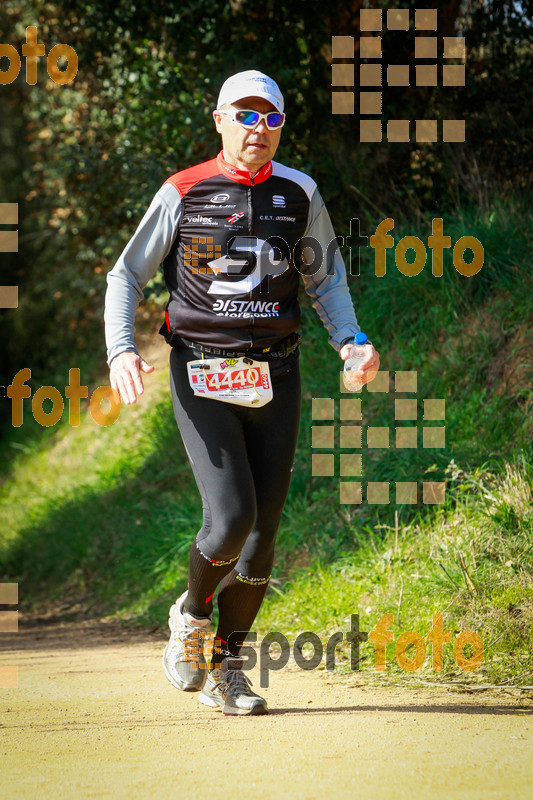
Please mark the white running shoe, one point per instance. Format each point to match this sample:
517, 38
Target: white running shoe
183, 660
228, 688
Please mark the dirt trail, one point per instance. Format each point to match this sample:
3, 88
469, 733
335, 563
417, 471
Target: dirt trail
94, 717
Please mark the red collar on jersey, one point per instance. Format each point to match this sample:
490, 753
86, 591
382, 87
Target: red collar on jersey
242, 175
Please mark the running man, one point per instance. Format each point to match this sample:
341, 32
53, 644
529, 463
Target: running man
234, 235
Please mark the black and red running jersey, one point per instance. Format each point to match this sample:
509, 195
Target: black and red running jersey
233, 249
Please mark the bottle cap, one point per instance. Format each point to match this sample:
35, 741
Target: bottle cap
361, 338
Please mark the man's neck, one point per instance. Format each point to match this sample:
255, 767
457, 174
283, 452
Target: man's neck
252, 170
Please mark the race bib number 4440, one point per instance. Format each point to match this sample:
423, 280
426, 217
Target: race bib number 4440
231, 380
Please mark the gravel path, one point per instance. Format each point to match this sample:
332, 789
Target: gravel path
94, 717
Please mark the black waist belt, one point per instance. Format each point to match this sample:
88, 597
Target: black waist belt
280, 350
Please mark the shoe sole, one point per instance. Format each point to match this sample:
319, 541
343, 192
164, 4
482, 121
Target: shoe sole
185, 687
207, 701
255, 711
231, 711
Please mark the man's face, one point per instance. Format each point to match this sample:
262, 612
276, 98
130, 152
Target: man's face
245, 148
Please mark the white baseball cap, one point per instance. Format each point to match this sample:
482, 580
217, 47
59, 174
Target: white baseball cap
250, 83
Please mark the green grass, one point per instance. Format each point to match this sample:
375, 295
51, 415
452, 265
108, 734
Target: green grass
99, 521
470, 560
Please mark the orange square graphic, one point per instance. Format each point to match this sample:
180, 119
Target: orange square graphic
398, 74
370, 103
426, 19
370, 130
350, 492
426, 47
453, 75
351, 464
322, 408
370, 47
426, 130
433, 492
377, 437
378, 493
323, 436
454, 47
9, 296
370, 74
9, 593
405, 409
342, 46
398, 130
351, 409
351, 436
406, 438
342, 74
342, 387
453, 130
370, 19
9, 621
406, 381
434, 409
405, 492
398, 19
380, 382
342, 102
9, 213
9, 678
322, 464
434, 437
9, 241
426, 74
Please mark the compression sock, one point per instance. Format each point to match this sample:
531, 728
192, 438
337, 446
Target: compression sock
239, 600
204, 577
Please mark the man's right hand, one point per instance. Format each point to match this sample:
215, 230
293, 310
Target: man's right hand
125, 376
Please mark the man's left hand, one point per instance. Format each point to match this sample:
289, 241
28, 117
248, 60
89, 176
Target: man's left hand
369, 368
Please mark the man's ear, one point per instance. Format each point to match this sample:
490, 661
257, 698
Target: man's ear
217, 116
